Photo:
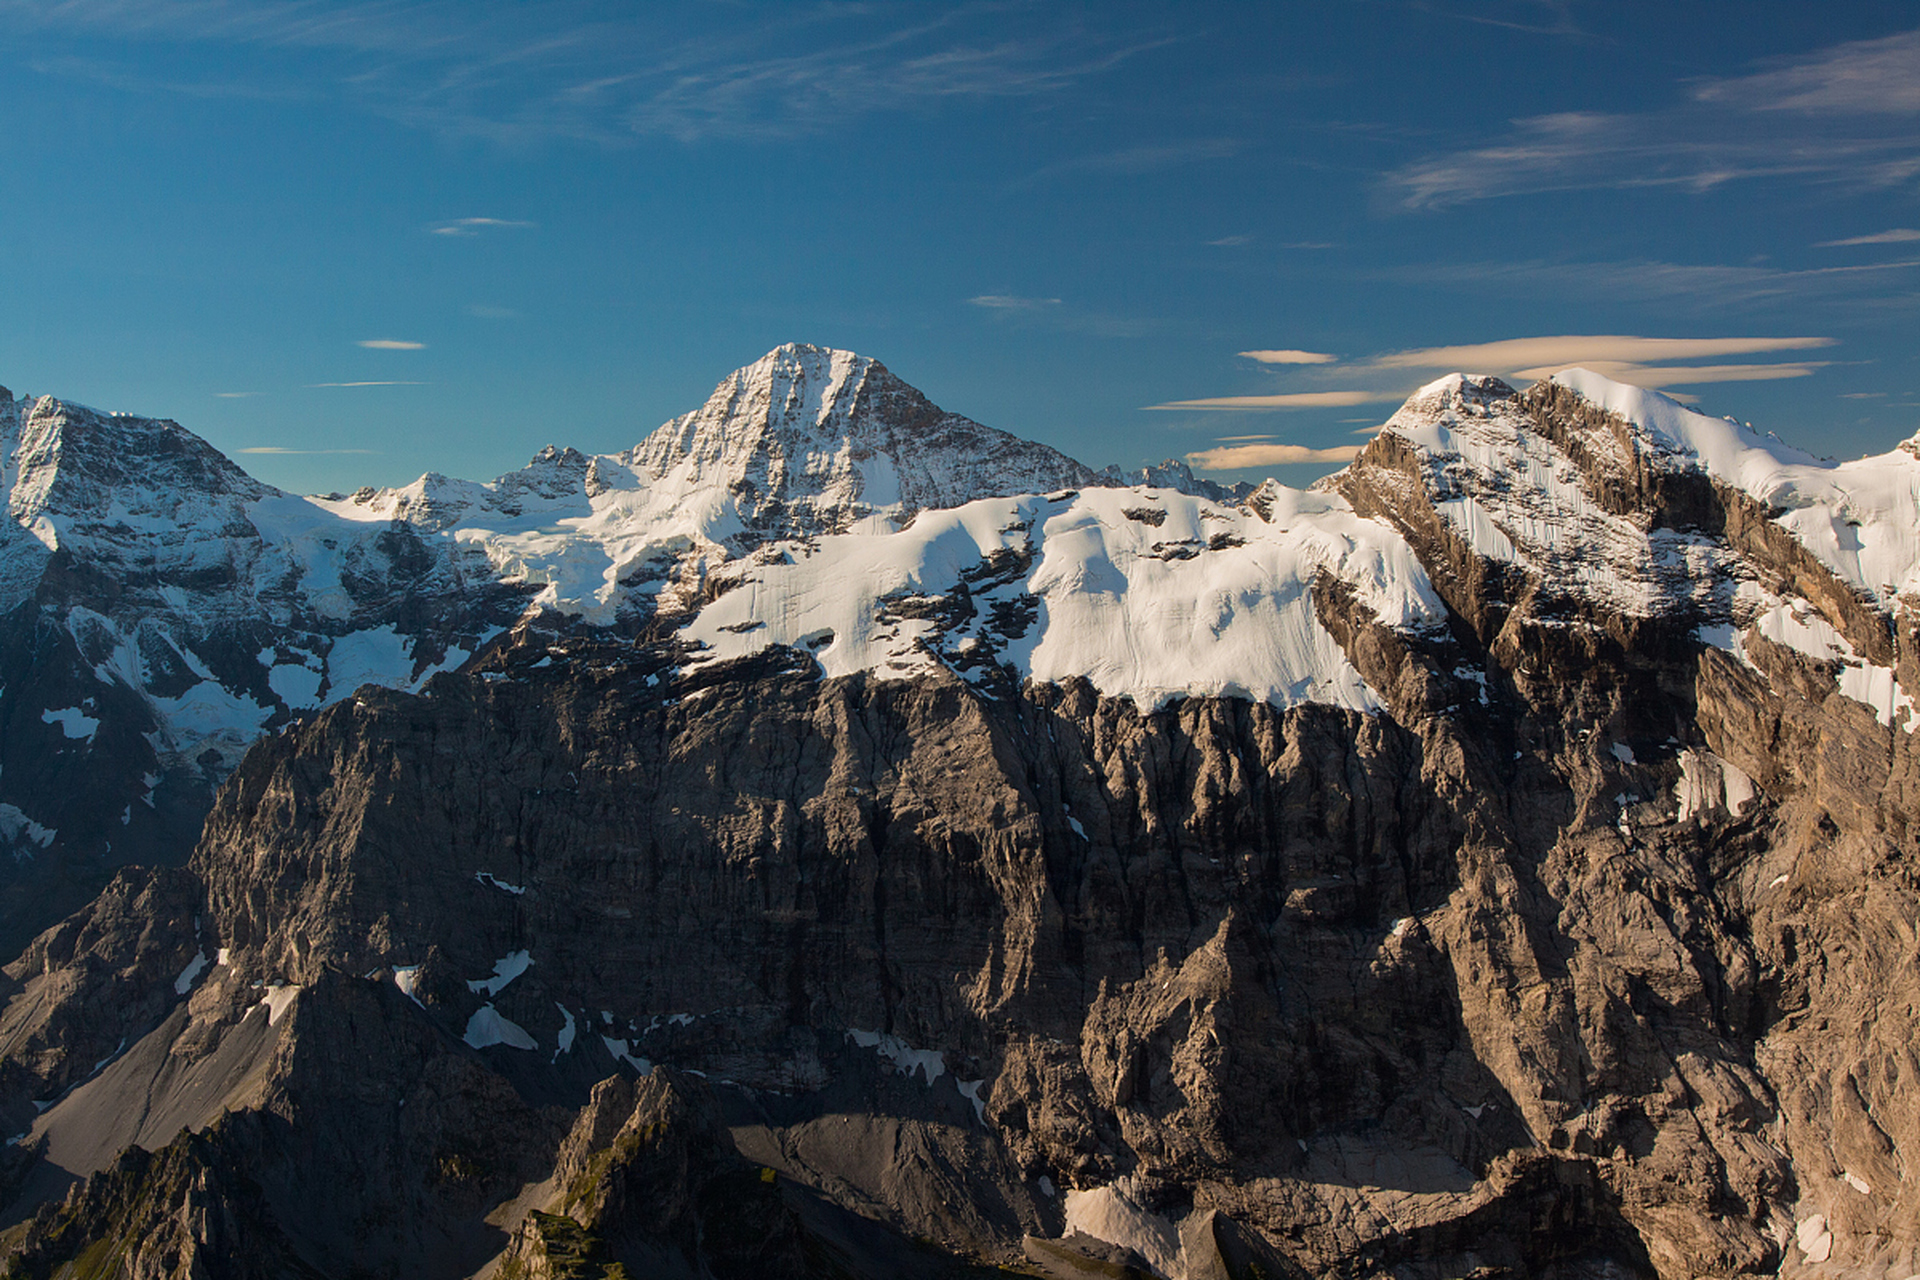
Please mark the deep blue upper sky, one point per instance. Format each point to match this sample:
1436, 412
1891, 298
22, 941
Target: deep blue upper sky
1047, 216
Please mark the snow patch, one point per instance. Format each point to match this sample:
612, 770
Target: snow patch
492, 881
15, 824
505, 970
617, 1049
1861, 519
279, 998
1857, 1182
564, 1041
76, 724
906, 1059
487, 1027
407, 978
1112, 1214
1797, 625
118, 1049
1211, 601
296, 684
184, 983
1814, 1239
1706, 781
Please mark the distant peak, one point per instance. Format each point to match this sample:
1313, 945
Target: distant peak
806, 359
1457, 390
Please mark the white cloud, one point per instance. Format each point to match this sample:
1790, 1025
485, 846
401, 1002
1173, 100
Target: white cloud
520, 74
1679, 285
474, 226
1842, 115
1290, 357
1008, 302
1289, 400
391, 344
1898, 235
1654, 377
234, 395
1238, 457
369, 384
1051, 313
1592, 350
1862, 77
696, 95
1629, 358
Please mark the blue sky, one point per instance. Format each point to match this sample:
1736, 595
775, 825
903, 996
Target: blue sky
567, 221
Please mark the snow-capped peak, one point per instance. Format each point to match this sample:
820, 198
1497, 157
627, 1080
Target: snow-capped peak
1455, 391
78, 464
810, 439
1861, 518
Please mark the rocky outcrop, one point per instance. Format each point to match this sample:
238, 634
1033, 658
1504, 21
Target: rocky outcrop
1313, 972
1588, 951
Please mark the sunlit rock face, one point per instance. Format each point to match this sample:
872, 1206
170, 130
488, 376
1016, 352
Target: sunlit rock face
819, 853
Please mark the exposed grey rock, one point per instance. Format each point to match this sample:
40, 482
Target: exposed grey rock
1591, 955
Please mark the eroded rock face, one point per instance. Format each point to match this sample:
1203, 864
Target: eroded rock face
1372, 989
1591, 953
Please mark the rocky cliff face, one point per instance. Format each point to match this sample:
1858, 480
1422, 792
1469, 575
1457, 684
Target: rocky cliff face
160, 609
1582, 944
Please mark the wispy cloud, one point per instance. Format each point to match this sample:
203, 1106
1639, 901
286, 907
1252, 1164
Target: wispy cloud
474, 226
1391, 375
234, 395
1240, 456
524, 74
1512, 354
390, 344
1898, 235
1010, 302
111, 75
1230, 242
1535, 17
377, 383
1052, 313
277, 449
1655, 377
1288, 356
1287, 400
1863, 77
1641, 361
1693, 286
1842, 115
909, 67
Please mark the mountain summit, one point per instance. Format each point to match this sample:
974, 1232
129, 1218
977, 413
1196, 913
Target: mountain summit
810, 439
837, 836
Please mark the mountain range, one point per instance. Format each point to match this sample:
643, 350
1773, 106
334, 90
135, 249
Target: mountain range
837, 837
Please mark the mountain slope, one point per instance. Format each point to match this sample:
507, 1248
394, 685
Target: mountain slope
1498, 860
